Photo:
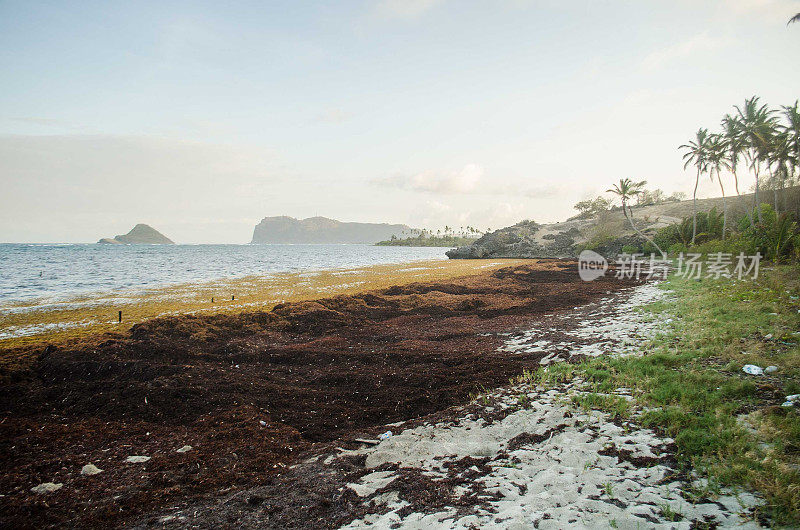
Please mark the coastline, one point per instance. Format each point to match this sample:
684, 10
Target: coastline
249, 392
28, 322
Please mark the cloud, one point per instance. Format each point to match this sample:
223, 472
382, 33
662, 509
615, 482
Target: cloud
435, 215
83, 187
698, 44
470, 180
463, 181
333, 116
778, 9
47, 122
405, 8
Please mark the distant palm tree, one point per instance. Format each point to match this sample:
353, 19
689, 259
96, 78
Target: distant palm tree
756, 125
696, 154
795, 18
736, 147
780, 156
627, 190
792, 130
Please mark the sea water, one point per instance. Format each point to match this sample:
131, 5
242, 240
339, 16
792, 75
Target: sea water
57, 271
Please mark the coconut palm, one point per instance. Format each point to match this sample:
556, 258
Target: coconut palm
792, 130
696, 153
717, 149
756, 123
627, 190
780, 158
795, 18
736, 147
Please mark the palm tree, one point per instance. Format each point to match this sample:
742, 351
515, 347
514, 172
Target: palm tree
756, 124
717, 148
696, 154
792, 130
730, 128
626, 190
780, 155
795, 18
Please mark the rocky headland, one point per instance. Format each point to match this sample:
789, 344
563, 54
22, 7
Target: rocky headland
284, 229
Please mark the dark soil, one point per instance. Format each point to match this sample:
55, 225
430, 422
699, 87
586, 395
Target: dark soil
250, 392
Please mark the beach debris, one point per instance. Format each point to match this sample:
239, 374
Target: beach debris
184, 449
791, 401
136, 459
262, 423
90, 469
47, 487
768, 336
752, 369
770, 369
366, 441
385, 436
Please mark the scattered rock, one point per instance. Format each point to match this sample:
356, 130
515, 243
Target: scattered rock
184, 449
137, 459
90, 469
47, 487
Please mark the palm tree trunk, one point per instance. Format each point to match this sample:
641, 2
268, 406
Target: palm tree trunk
736, 183
758, 204
694, 206
641, 234
774, 189
724, 207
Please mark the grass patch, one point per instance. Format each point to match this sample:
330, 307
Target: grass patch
727, 425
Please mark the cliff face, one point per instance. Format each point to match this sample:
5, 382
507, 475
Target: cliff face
140, 234
285, 229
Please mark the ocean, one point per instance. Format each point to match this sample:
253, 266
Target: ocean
58, 271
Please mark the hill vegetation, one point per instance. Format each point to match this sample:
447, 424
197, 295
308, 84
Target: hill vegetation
427, 238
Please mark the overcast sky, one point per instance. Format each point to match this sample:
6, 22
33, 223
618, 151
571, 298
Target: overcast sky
200, 118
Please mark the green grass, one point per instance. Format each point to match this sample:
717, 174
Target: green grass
727, 426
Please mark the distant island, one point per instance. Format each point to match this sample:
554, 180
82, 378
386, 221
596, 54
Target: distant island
141, 234
284, 229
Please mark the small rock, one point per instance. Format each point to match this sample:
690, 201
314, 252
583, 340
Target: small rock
770, 369
90, 469
137, 459
47, 487
184, 449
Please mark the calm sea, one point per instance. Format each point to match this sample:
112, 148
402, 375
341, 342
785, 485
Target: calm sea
53, 271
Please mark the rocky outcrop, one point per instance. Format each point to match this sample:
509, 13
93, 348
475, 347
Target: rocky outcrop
141, 234
523, 240
283, 229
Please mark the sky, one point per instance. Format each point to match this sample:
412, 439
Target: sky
201, 118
